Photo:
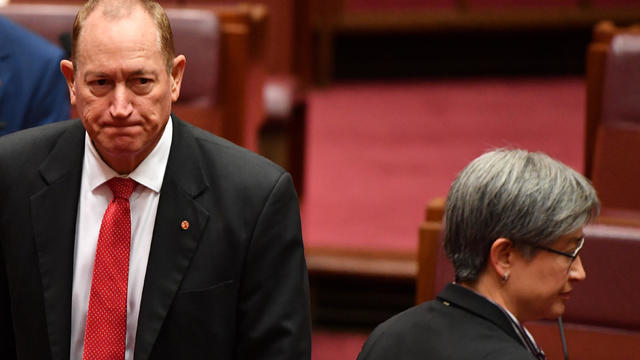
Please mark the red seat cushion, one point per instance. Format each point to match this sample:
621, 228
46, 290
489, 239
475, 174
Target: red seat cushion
610, 294
616, 165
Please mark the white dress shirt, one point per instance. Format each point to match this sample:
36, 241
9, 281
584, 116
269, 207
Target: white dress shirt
95, 195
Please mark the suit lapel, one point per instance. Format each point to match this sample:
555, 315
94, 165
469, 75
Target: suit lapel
172, 246
480, 306
54, 211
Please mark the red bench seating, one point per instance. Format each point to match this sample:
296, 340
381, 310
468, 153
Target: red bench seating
602, 318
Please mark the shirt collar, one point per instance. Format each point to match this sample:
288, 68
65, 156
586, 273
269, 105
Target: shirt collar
149, 173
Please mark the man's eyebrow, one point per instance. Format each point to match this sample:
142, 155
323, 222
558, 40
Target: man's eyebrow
94, 73
144, 72
135, 72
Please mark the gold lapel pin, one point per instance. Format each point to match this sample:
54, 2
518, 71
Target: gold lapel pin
184, 224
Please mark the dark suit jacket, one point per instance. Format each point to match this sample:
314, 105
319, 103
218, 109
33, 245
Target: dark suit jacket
459, 324
32, 88
232, 286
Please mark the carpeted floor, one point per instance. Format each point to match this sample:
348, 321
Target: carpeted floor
331, 344
376, 153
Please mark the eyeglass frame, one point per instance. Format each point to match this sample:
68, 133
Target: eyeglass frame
571, 256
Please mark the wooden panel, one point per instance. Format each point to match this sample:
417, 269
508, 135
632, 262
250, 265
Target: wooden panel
428, 246
279, 29
585, 342
393, 5
360, 262
596, 58
330, 17
435, 210
242, 64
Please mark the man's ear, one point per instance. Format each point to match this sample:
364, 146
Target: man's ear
176, 76
501, 257
66, 67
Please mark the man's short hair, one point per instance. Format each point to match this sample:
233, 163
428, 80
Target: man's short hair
528, 198
118, 9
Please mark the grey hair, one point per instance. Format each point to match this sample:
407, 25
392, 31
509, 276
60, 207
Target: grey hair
528, 198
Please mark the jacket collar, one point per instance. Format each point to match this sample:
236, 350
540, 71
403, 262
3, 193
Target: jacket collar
179, 226
467, 299
54, 212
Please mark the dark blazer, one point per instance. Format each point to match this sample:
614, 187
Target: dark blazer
232, 286
32, 88
459, 324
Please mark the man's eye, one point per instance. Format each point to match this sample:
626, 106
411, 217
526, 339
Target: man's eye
100, 86
143, 81
98, 82
141, 85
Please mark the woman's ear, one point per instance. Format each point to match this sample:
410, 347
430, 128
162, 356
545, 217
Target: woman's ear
501, 258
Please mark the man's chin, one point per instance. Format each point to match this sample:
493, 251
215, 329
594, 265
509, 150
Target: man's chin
124, 147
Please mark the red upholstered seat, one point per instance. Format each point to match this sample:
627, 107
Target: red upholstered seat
616, 169
602, 318
610, 294
196, 34
613, 121
621, 93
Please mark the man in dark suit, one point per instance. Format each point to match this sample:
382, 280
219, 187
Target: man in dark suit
32, 89
216, 263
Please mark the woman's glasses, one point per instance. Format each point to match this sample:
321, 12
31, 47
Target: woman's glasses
572, 255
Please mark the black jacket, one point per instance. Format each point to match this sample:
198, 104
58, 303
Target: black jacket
458, 325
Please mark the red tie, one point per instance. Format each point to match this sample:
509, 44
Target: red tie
105, 335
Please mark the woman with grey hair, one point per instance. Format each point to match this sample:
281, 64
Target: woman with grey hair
513, 231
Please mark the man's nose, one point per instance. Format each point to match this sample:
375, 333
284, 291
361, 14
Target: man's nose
576, 272
121, 106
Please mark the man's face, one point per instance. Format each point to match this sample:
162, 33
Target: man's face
121, 87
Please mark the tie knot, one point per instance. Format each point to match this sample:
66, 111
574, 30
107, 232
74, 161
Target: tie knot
121, 187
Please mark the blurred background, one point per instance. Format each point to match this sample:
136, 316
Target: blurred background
374, 106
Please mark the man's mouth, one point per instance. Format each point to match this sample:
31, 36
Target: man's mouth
566, 294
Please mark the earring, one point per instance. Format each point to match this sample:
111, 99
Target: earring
505, 277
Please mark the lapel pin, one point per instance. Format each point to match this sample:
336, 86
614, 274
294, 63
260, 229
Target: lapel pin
184, 224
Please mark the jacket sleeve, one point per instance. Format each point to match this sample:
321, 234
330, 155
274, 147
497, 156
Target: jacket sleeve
7, 339
274, 315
